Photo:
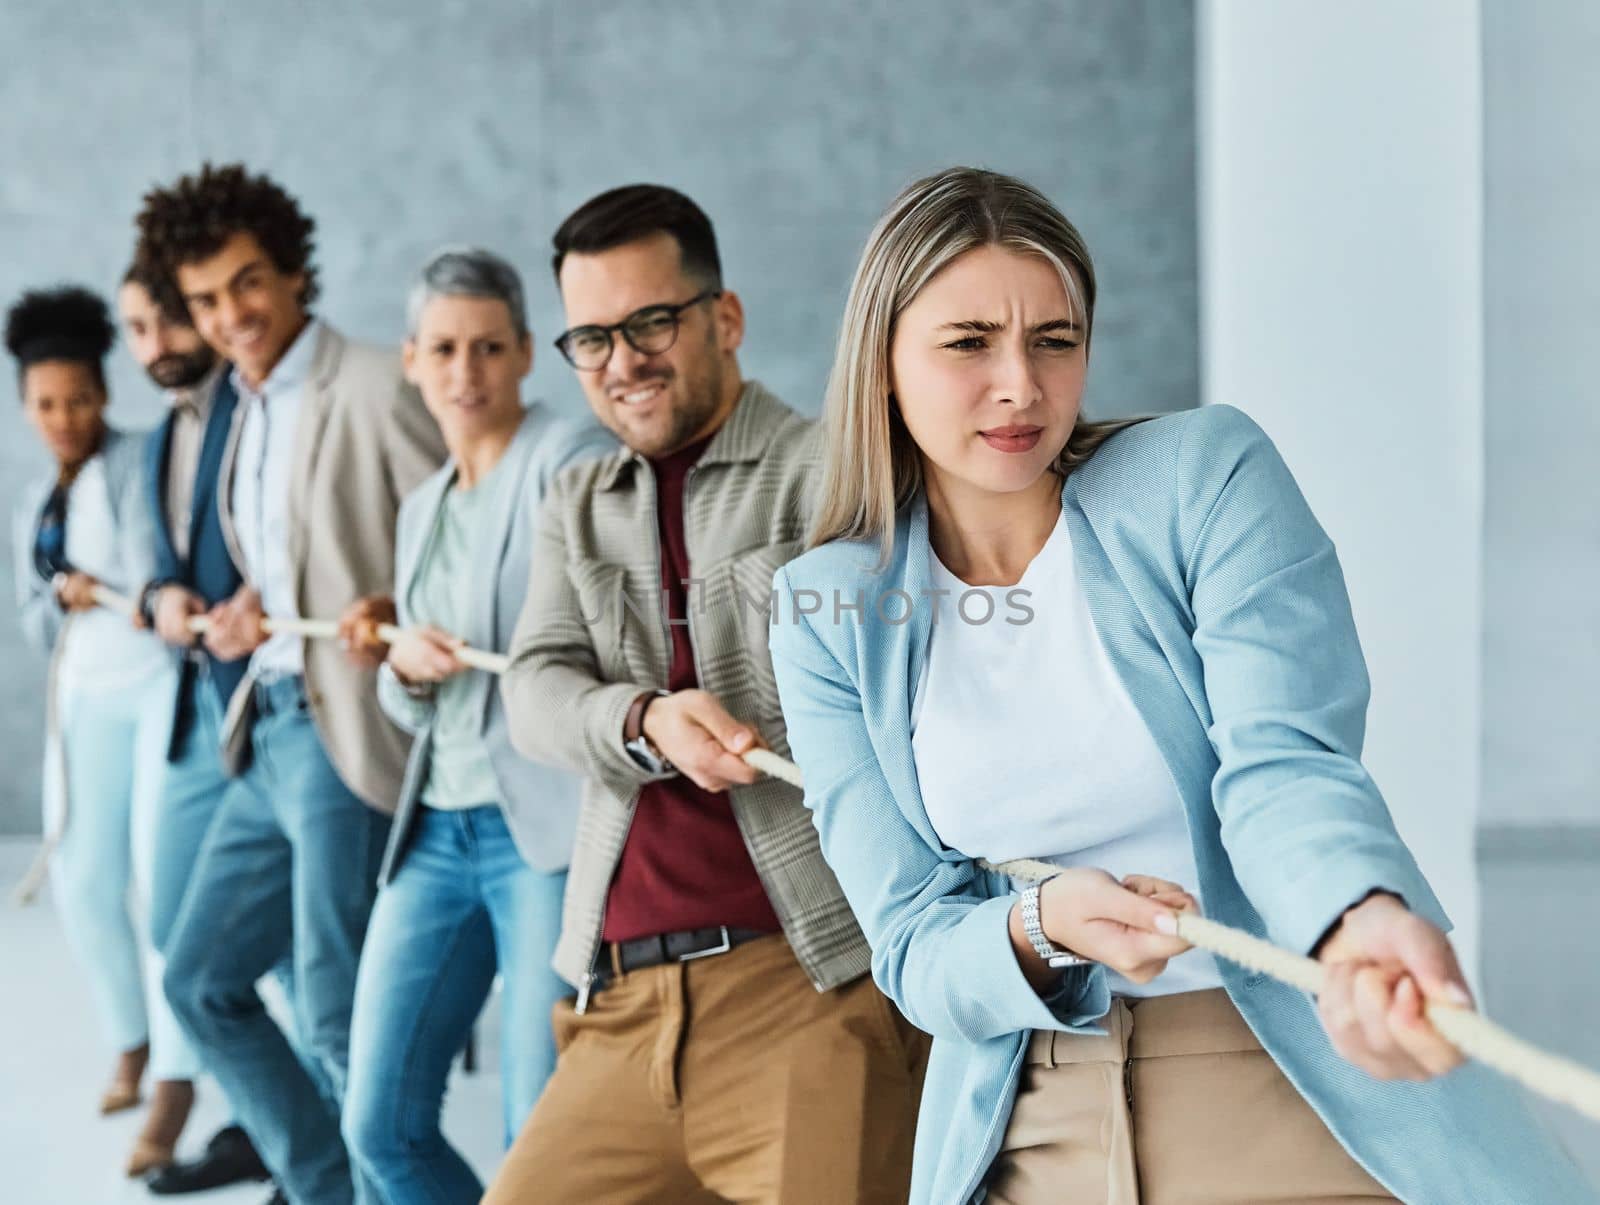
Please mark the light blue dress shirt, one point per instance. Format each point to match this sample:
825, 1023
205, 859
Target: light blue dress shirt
260, 501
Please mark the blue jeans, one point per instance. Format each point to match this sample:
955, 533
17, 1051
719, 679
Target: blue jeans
289, 865
462, 904
195, 784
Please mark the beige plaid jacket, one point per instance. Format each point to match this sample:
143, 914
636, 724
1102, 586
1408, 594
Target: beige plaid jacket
593, 635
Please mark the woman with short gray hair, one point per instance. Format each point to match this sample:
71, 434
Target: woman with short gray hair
472, 879
467, 272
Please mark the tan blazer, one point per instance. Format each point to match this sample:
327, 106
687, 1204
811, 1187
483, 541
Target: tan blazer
364, 441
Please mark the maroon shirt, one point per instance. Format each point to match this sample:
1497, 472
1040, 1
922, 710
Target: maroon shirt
685, 864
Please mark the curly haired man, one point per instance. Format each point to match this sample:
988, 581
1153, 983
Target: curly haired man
326, 439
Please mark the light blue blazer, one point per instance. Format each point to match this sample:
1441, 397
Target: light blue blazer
1221, 603
540, 803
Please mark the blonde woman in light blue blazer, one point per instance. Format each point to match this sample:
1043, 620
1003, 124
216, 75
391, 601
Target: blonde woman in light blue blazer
1180, 701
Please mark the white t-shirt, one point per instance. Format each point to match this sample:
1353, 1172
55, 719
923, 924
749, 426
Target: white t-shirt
103, 652
1028, 745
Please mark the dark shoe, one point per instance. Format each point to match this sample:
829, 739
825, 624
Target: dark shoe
229, 1159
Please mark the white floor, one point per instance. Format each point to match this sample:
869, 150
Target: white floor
54, 1148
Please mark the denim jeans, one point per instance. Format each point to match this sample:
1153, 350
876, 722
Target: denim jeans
289, 865
191, 797
462, 904
112, 747
194, 786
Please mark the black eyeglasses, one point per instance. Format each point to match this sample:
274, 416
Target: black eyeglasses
649, 332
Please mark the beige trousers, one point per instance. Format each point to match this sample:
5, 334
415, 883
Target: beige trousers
1177, 1105
724, 1079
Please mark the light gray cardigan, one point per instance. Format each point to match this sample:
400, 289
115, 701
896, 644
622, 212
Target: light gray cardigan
540, 803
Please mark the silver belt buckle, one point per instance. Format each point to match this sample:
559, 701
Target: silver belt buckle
727, 944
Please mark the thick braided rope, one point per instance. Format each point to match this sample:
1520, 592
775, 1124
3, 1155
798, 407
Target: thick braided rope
1550, 1075
1559, 1079
310, 629
27, 889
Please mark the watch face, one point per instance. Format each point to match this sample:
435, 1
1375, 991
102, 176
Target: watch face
643, 757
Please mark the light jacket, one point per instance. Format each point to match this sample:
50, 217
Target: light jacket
1221, 604
540, 803
593, 636
363, 441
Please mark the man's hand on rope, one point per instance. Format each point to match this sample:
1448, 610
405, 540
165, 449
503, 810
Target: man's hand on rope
698, 736
1128, 925
358, 630
233, 626
175, 606
1382, 962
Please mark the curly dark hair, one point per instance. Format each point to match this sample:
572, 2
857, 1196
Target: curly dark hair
64, 323
163, 289
193, 218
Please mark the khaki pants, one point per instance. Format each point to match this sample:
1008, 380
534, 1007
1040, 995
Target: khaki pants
1177, 1105
728, 1078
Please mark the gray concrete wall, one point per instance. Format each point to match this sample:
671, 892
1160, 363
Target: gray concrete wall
402, 125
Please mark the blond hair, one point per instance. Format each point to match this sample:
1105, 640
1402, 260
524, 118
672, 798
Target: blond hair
872, 466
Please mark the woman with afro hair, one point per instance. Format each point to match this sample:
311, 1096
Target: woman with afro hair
84, 524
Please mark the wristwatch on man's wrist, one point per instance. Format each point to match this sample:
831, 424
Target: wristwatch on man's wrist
147, 601
639, 746
1054, 956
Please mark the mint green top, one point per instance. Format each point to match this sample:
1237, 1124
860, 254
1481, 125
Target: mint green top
460, 774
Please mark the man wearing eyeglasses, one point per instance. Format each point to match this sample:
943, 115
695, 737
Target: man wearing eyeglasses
727, 1042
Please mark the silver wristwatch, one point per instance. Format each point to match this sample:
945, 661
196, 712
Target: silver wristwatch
1053, 955
643, 750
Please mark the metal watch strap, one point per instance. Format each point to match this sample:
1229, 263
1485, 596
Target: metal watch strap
1054, 956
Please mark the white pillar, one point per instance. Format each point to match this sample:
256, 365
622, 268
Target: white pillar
1340, 166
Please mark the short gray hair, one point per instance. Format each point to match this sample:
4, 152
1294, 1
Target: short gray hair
462, 271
